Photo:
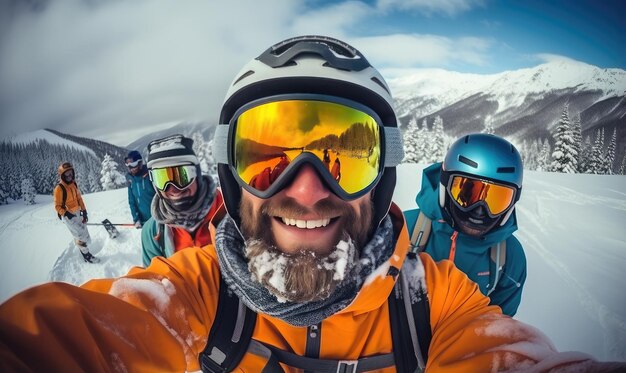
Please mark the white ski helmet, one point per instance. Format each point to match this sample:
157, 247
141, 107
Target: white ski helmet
311, 65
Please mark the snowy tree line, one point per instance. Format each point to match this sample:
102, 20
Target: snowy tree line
423, 144
39, 161
204, 151
570, 153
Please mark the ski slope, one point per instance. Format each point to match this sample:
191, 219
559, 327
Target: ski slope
571, 226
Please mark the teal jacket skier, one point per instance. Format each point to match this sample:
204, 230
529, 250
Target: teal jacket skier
472, 254
140, 189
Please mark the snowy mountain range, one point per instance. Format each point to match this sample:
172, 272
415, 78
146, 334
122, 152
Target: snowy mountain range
50, 136
183, 128
93, 147
521, 105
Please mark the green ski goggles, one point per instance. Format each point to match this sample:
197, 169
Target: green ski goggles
180, 176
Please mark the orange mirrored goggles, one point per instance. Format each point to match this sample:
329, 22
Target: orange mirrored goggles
467, 191
339, 138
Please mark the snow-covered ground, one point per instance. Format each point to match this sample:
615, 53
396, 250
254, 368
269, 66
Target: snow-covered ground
571, 226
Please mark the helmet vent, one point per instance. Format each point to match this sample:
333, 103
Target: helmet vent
377, 81
468, 161
326, 64
334, 52
505, 170
243, 76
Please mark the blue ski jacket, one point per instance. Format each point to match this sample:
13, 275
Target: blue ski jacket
140, 194
472, 254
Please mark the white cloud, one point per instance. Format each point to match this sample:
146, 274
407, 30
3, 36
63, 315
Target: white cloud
96, 68
491, 24
429, 7
548, 57
411, 50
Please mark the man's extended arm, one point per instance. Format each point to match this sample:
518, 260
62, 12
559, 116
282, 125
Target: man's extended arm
469, 336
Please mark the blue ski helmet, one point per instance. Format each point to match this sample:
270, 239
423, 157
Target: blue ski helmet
483, 156
133, 155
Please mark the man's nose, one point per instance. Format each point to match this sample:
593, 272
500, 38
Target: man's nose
171, 189
307, 188
479, 211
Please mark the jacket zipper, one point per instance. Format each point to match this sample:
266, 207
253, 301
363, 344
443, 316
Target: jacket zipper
453, 246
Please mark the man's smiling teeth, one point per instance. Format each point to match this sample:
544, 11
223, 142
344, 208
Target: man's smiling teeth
309, 224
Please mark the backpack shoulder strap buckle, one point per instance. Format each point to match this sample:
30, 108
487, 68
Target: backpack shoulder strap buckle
347, 366
421, 231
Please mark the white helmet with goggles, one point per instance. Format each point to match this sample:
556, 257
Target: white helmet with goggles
277, 99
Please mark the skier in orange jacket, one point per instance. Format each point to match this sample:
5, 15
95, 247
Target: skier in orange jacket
69, 205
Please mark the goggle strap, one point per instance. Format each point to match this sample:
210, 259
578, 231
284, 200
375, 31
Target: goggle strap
394, 150
220, 144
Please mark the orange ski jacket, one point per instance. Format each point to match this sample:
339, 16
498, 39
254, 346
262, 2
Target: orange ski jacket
73, 200
157, 320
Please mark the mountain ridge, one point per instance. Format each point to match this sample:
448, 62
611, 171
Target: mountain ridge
523, 104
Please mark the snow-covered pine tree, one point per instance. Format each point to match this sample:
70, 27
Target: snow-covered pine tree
111, 178
544, 156
49, 179
577, 135
609, 160
564, 155
532, 155
28, 191
93, 181
211, 161
4, 185
422, 143
3, 197
410, 142
584, 167
523, 151
489, 127
15, 186
438, 146
597, 157
204, 152
622, 168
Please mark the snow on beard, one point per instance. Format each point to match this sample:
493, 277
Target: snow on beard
304, 276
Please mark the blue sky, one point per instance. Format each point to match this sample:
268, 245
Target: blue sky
114, 70
515, 34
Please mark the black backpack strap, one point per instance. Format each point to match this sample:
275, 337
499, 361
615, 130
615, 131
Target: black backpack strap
64, 199
410, 322
405, 359
230, 333
275, 355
